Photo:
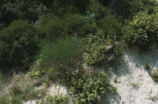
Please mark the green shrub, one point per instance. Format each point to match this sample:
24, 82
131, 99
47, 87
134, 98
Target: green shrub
142, 31
128, 8
110, 26
16, 99
98, 49
20, 9
98, 10
147, 66
2, 25
4, 100
59, 52
154, 74
11, 100
57, 100
79, 24
19, 44
87, 90
50, 27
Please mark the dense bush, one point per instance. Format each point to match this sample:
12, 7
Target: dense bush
59, 26
21, 9
56, 100
14, 100
50, 27
128, 8
19, 44
142, 31
110, 26
59, 52
79, 24
87, 90
99, 11
62, 6
154, 74
99, 50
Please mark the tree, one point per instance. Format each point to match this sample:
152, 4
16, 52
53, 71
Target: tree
19, 44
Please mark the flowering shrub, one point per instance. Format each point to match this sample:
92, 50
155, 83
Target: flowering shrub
98, 49
57, 100
142, 31
87, 90
14, 87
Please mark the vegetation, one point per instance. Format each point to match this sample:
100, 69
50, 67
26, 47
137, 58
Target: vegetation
51, 40
154, 75
19, 44
87, 90
98, 49
142, 30
147, 66
57, 100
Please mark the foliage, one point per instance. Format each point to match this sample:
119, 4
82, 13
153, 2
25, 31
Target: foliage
128, 8
154, 74
57, 100
14, 100
87, 90
110, 26
58, 52
19, 44
59, 25
99, 11
50, 27
4, 100
21, 9
147, 66
142, 30
61, 6
80, 25
98, 49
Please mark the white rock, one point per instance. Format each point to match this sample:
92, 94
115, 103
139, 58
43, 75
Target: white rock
30, 102
127, 72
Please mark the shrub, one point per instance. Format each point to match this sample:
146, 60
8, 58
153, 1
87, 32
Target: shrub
154, 74
11, 100
57, 100
59, 52
147, 66
98, 49
19, 45
50, 27
110, 26
98, 10
128, 8
60, 6
4, 99
87, 90
20, 9
80, 25
142, 31
2, 25
16, 99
